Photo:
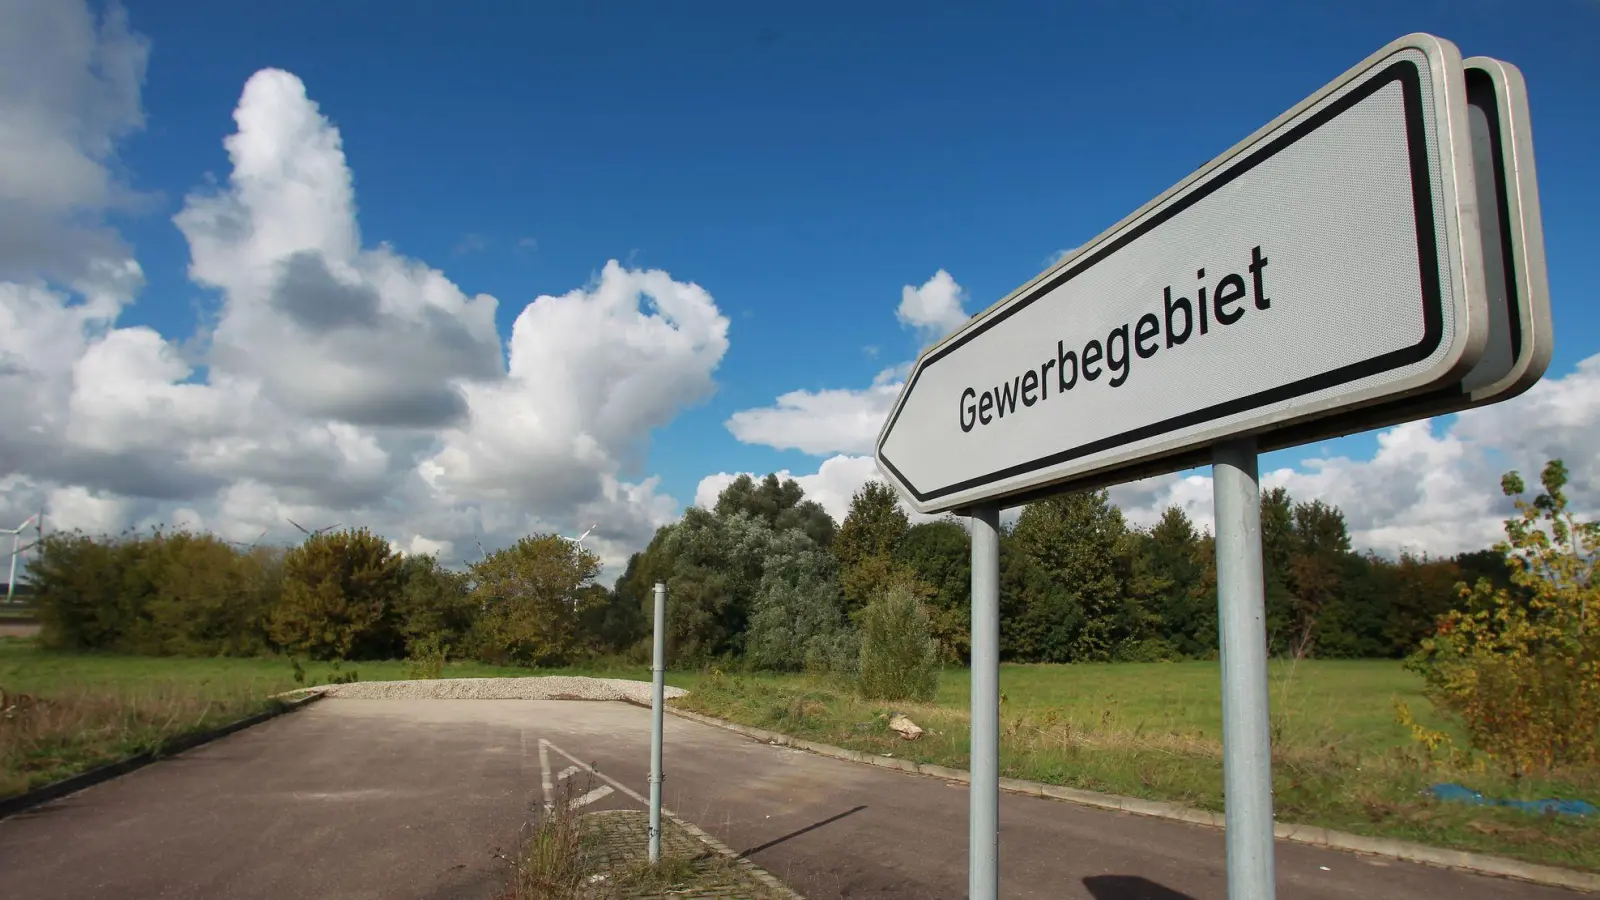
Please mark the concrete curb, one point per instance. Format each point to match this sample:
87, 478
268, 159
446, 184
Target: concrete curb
1479, 863
55, 790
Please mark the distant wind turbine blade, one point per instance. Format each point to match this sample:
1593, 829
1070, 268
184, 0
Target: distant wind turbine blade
296, 524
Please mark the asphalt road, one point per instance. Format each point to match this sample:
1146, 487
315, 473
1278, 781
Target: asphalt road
412, 799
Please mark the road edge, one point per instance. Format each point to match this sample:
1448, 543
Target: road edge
55, 790
1409, 851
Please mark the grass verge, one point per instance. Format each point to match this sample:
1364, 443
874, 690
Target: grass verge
84, 710
1154, 731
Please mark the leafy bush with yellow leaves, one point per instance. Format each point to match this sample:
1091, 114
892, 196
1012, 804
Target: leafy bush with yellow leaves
1521, 668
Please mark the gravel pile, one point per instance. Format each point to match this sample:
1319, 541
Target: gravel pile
547, 687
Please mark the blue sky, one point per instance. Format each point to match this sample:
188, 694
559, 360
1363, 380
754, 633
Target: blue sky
802, 167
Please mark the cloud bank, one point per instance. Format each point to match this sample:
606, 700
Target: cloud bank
335, 380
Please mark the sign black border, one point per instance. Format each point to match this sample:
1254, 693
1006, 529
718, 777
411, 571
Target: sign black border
1407, 73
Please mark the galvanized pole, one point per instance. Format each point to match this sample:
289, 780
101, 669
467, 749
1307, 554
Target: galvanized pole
658, 679
983, 824
1241, 616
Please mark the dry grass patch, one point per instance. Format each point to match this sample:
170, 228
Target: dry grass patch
45, 738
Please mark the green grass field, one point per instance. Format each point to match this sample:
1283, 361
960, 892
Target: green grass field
1341, 760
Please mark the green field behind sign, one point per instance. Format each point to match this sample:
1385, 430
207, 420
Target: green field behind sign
1154, 730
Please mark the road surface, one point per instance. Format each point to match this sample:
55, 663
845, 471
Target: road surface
357, 799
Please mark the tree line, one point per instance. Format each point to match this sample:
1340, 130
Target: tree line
765, 578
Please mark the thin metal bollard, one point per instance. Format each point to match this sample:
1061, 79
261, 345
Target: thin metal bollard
983, 818
658, 679
1241, 616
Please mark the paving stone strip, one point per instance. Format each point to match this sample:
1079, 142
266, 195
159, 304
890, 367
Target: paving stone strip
617, 844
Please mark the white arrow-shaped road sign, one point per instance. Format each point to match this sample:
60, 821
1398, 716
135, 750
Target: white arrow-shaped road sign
1330, 262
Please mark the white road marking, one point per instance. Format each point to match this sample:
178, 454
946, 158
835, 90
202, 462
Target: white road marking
598, 793
544, 776
568, 772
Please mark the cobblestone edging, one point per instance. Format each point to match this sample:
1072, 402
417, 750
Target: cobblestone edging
1480, 863
622, 836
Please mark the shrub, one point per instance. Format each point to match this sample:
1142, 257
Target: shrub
80, 593
899, 659
1522, 670
426, 657
205, 599
340, 593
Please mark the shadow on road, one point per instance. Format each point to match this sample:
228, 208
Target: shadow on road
1130, 887
794, 834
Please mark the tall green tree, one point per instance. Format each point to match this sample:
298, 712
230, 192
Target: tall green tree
634, 595
939, 553
780, 504
1076, 539
1277, 557
868, 543
719, 564
1040, 620
1187, 612
433, 602
1317, 562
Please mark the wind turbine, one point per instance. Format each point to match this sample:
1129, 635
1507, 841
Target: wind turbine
578, 543
303, 528
579, 539
16, 548
252, 544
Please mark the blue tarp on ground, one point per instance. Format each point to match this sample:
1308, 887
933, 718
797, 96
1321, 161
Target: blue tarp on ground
1459, 794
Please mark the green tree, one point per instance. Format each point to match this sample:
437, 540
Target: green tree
718, 564
340, 598
939, 553
531, 595
1186, 610
1319, 546
780, 504
1040, 620
1354, 623
868, 543
612, 622
1075, 538
1277, 557
433, 602
1417, 590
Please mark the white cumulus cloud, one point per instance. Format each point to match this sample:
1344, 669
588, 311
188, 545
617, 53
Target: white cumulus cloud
69, 88
820, 422
336, 381
935, 309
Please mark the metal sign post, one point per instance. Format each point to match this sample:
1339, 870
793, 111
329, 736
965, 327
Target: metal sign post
1372, 256
658, 681
1242, 626
983, 818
